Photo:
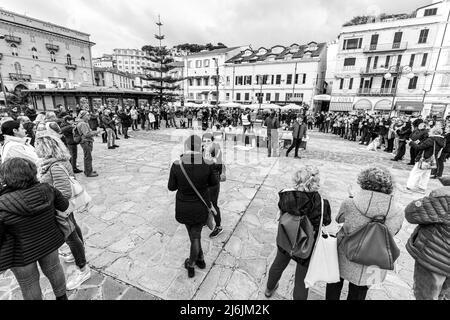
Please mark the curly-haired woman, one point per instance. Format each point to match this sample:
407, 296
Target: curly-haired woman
303, 199
375, 199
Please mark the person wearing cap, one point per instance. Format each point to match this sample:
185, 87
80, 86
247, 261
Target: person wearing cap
16, 144
87, 142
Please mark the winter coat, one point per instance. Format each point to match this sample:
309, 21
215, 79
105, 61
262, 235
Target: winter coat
14, 147
125, 118
421, 135
352, 213
51, 172
31, 114
108, 122
300, 203
429, 244
67, 131
404, 133
299, 130
426, 147
28, 227
189, 209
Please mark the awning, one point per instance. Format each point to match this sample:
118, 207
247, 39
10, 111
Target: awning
383, 105
341, 106
363, 104
415, 106
438, 109
322, 97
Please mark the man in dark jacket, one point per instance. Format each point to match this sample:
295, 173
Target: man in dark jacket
87, 142
429, 245
298, 134
109, 124
30, 112
67, 126
272, 125
419, 135
444, 156
404, 132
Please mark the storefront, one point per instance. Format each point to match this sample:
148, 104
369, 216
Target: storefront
363, 105
341, 104
383, 106
413, 108
438, 110
322, 101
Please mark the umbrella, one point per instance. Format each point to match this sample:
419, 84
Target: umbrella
230, 105
292, 106
263, 106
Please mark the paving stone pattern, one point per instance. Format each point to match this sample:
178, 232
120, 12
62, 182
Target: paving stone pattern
137, 249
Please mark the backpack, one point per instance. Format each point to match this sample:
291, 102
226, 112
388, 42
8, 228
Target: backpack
372, 244
76, 135
296, 236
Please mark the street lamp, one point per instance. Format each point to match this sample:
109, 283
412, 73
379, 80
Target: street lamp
1, 80
400, 70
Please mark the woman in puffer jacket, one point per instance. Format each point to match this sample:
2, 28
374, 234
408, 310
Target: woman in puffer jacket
303, 199
375, 199
429, 245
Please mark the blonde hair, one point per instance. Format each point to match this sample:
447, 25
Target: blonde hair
48, 147
307, 179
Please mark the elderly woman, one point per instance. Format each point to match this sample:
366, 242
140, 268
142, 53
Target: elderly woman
303, 199
375, 199
189, 208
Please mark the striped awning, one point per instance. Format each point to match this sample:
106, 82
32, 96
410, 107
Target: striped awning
415, 106
341, 106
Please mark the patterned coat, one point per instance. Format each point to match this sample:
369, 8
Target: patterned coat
352, 213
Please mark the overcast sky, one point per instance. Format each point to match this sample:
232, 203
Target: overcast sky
131, 23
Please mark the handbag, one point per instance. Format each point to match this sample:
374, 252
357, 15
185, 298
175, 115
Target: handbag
324, 263
211, 211
430, 163
66, 225
372, 244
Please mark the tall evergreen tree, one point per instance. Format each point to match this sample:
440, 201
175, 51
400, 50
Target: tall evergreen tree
161, 81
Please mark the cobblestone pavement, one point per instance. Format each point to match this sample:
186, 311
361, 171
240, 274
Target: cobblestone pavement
137, 249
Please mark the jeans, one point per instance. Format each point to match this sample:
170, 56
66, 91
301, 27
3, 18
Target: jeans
125, 131
296, 143
429, 285
276, 271
111, 137
401, 150
73, 150
189, 123
28, 277
272, 145
354, 292
87, 147
134, 125
214, 196
440, 164
195, 235
76, 244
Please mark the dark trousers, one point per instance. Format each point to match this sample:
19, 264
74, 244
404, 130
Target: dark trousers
412, 154
125, 131
296, 143
76, 244
73, 150
440, 164
87, 150
214, 196
28, 277
401, 150
143, 123
310, 126
195, 235
354, 292
276, 271
134, 126
189, 123
390, 145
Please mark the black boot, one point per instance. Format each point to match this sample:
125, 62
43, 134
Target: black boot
190, 269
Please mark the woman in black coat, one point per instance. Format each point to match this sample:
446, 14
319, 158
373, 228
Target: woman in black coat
189, 209
29, 233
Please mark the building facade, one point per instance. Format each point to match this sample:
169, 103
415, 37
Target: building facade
132, 61
112, 78
106, 61
37, 54
400, 64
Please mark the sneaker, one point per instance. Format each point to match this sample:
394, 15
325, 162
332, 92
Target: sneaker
269, 293
78, 278
115, 146
216, 232
68, 258
77, 171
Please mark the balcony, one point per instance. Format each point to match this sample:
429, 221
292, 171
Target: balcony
383, 92
372, 71
13, 39
71, 66
20, 77
52, 47
397, 46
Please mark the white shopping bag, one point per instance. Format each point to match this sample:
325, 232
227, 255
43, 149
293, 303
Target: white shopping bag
324, 263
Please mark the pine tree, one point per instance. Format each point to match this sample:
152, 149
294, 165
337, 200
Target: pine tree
162, 82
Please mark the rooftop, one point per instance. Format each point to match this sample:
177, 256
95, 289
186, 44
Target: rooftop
213, 52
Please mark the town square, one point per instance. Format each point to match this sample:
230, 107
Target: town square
164, 169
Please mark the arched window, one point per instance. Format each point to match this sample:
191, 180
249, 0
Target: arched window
85, 76
37, 71
69, 59
14, 50
83, 62
52, 56
18, 68
34, 53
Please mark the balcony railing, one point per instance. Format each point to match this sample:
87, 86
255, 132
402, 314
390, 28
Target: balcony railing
376, 92
13, 39
71, 66
52, 47
20, 77
396, 46
374, 71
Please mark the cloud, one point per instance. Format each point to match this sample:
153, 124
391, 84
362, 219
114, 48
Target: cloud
131, 23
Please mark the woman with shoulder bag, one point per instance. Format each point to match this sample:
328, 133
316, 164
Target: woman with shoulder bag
374, 200
428, 152
303, 200
191, 177
56, 170
29, 233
